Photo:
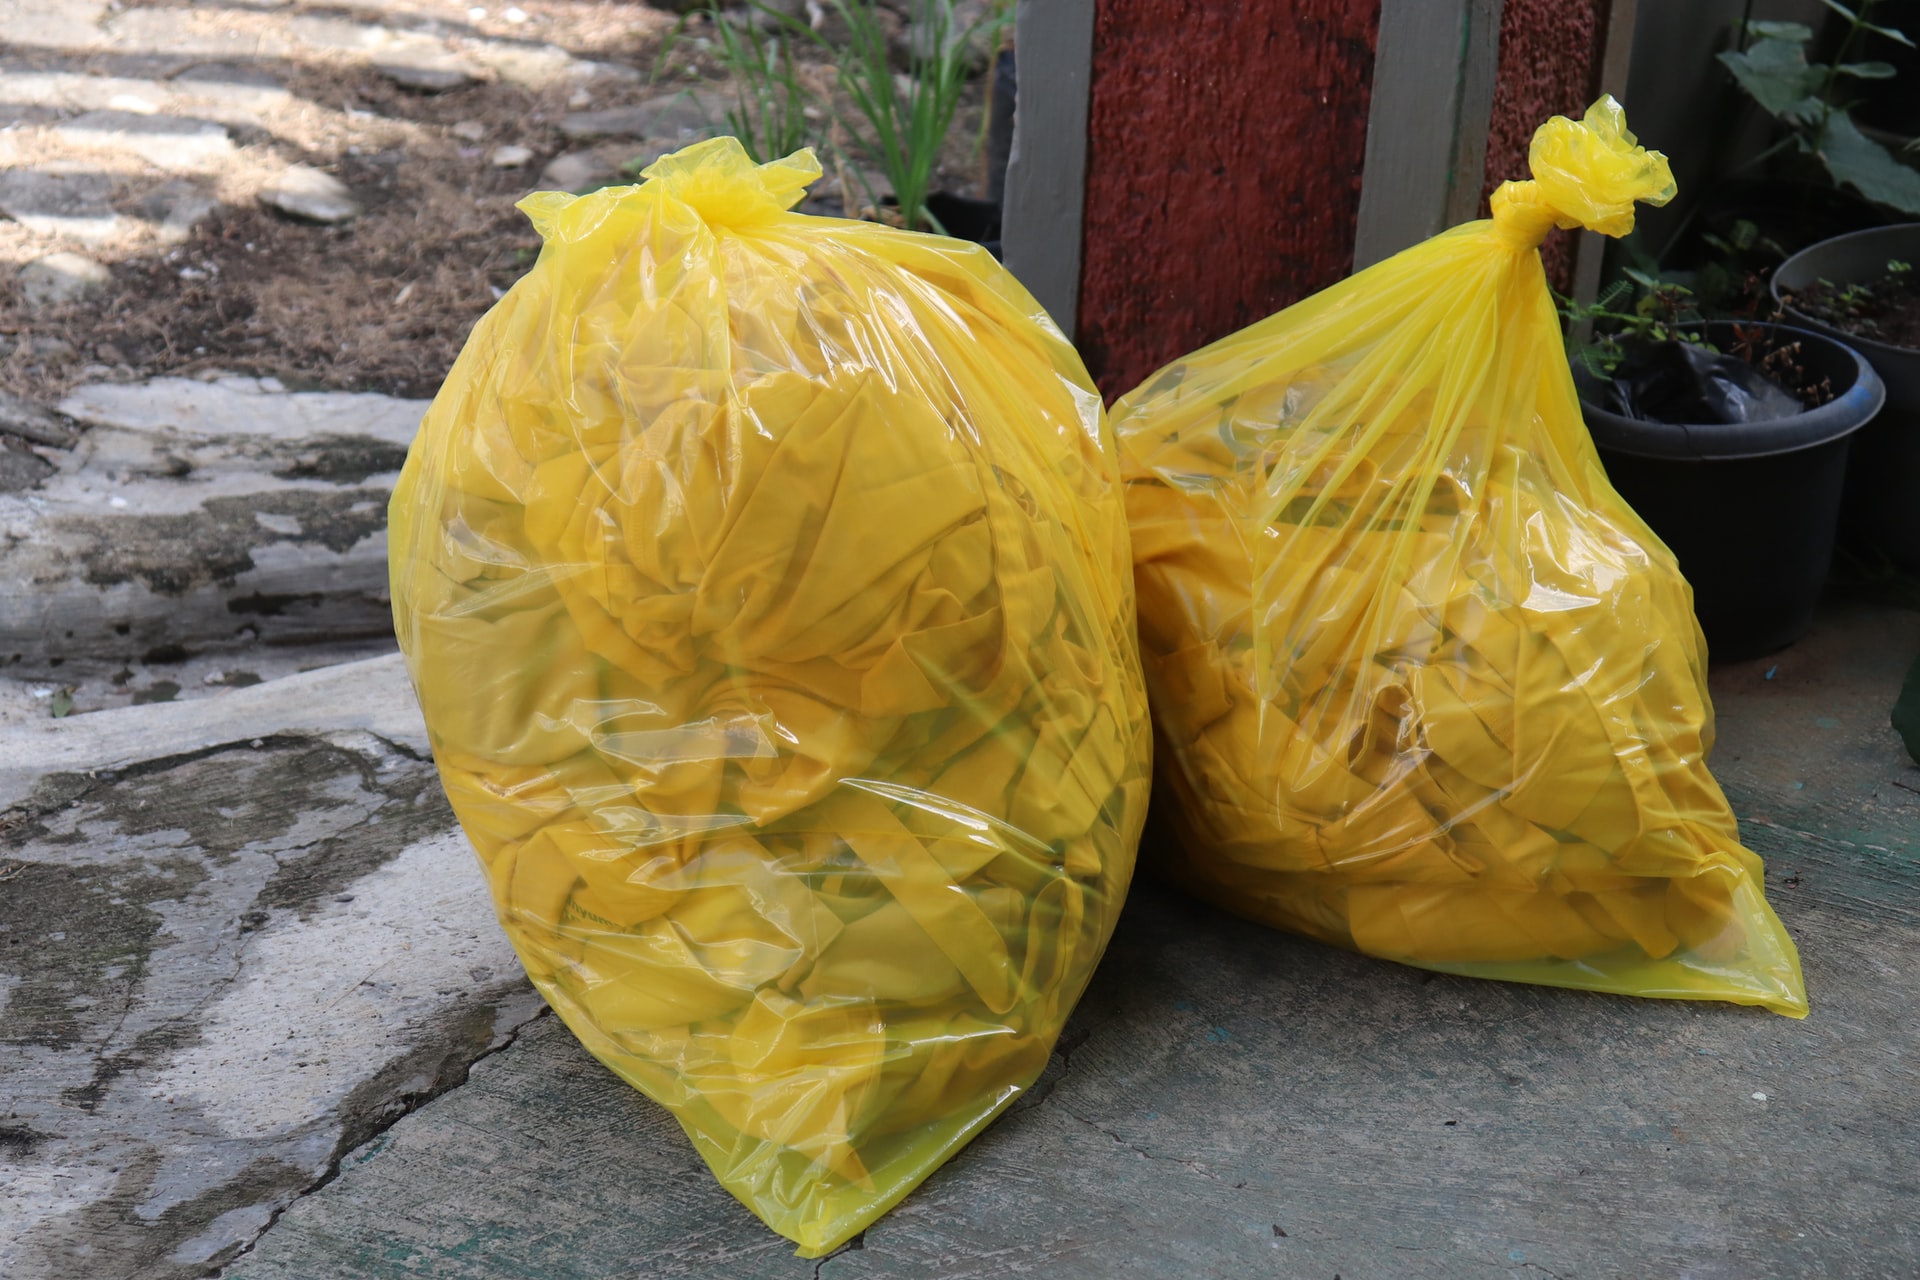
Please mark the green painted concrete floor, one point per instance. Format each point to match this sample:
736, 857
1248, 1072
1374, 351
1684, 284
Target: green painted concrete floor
1232, 1102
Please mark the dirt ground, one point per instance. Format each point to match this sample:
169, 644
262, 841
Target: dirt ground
382, 302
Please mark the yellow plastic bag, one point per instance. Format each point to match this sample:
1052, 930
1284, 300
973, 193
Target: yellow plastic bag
1424, 685
764, 581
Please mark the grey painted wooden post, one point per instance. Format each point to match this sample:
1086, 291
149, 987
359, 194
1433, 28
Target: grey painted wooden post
1046, 177
1433, 79
1616, 56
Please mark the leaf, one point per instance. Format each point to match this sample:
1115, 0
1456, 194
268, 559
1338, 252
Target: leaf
1867, 70
1633, 252
1781, 31
1906, 712
1808, 113
1857, 161
1775, 74
1891, 33
1841, 9
1597, 361
1617, 292
62, 703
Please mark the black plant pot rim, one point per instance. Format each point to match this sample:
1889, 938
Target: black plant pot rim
1718, 441
1897, 233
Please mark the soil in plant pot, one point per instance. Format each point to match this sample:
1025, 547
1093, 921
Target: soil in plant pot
1885, 310
1680, 382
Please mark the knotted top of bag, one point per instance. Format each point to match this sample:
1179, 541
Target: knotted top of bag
1586, 173
715, 178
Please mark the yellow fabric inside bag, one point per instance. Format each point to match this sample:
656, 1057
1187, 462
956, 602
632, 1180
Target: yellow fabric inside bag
764, 580
1424, 685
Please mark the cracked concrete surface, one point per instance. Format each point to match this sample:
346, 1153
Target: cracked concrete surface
238, 937
338, 703
257, 1020
1230, 1102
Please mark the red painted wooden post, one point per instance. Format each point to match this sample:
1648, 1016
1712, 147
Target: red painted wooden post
1224, 153
1550, 60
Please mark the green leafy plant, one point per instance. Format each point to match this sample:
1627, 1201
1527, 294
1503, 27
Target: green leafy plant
900, 122
1808, 99
1733, 281
770, 109
895, 122
1638, 306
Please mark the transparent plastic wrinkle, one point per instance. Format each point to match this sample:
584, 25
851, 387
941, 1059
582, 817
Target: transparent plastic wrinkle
765, 583
1424, 685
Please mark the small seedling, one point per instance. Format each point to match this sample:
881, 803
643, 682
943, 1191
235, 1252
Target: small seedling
1637, 307
1886, 309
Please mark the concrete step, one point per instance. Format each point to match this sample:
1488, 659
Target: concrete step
1231, 1101
194, 515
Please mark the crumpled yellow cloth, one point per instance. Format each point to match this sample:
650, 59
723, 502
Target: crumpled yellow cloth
765, 583
1425, 686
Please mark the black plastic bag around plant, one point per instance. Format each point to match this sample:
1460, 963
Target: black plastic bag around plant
1677, 382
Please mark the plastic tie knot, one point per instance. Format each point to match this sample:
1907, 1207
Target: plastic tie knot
716, 179
1586, 173
723, 184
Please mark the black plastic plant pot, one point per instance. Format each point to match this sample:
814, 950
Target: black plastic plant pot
966, 217
1882, 503
1750, 508
962, 217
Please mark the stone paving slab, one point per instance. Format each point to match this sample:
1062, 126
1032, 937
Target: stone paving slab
238, 938
229, 93
172, 143
1230, 1101
196, 513
69, 24
85, 688
367, 698
100, 101
56, 203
